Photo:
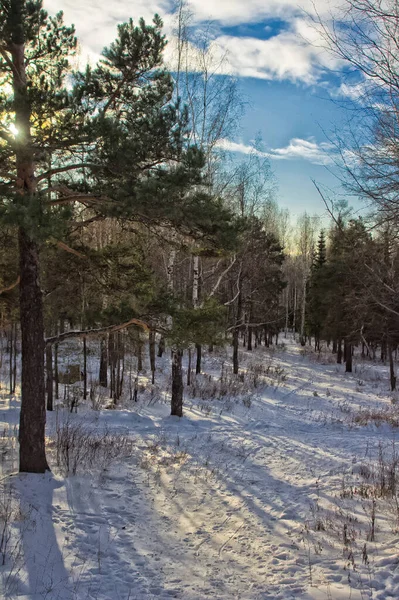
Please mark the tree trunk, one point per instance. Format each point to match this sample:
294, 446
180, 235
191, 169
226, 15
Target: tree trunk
84, 368
151, 344
236, 331
287, 313
189, 367
348, 358
14, 367
103, 375
303, 313
249, 328
49, 376
11, 350
198, 348
161, 347
32, 458
249, 338
112, 364
56, 376
391, 368
139, 354
235, 350
339, 351
177, 383
32, 425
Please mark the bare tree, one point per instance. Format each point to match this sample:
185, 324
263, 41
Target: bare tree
366, 39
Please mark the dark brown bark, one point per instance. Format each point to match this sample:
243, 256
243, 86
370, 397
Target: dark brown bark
11, 350
249, 339
33, 410
139, 355
151, 347
49, 376
235, 350
56, 376
391, 369
189, 367
32, 456
103, 374
122, 365
161, 347
14, 366
112, 364
177, 383
348, 357
198, 349
339, 352
84, 368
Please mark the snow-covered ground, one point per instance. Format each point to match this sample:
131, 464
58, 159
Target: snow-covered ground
283, 491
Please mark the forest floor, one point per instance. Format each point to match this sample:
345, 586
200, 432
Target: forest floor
284, 486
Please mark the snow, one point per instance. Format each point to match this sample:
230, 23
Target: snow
261, 495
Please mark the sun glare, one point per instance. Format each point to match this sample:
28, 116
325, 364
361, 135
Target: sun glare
13, 129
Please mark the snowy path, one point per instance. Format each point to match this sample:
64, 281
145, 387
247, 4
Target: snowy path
220, 504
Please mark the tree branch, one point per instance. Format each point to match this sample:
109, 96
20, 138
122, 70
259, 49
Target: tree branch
10, 287
94, 332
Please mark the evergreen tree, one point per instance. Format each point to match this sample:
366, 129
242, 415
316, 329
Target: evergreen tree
317, 295
113, 144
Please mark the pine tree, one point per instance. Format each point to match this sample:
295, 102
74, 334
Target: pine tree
317, 293
113, 144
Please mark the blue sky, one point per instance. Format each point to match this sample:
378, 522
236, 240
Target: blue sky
288, 80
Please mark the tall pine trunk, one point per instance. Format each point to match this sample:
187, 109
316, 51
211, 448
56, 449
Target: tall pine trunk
339, 351
196, 290
348, 357
103, 375
198, 361
151, 344
391, 368
177, 383
32, 456
56, 376
84, 368
11, 349
189, 367
49, 376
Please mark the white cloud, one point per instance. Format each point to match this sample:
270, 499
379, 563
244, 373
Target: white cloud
240, 148
285, 56
96, 20
297, 149
310, 150
234, 12
294, 54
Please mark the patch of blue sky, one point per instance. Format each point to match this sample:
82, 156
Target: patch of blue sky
263, 30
